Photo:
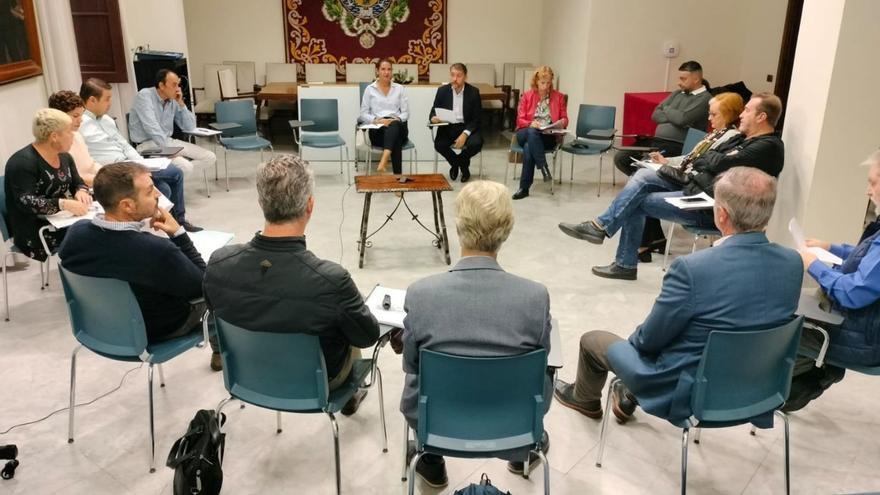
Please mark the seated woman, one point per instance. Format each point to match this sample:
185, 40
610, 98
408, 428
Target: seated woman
41, 179
511, 314
385, 104
539, 107
854, 290
71, 104
724, 110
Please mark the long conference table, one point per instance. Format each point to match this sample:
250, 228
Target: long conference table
420, 96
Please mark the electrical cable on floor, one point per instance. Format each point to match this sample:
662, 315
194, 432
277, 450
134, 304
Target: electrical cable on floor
342, 221
105, 394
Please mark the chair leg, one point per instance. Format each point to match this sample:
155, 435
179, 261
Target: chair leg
42, 278
753, 431
5, 287
411, 475
161, 376
697, 435
668, 244
546, 472
335, 429
152, 420
72, 393
205, 175
219, 411
787, 466
481, 165
403, 475
684, 460
226, 167
277, 422
382, 412
694, 246
348, 164
340, 161
604, 428
599, 182
571, 172
527, 466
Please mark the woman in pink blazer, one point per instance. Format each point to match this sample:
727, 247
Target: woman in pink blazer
539, 107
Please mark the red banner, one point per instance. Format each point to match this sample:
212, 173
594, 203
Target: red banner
364, 31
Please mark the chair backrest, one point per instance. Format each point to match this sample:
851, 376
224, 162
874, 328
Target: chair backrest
357, 73
362, 87
4, 230
523, 80
324, 112
245, 74
691, 139
481, 73
228, 84
438, 73
280, 72
321, 73
282, 371
744, 374
104, 314
240, 112
475, 405
411, 70
508, 73
592, 117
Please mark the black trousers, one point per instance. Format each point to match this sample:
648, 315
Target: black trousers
653, 232
446, 136
392, 137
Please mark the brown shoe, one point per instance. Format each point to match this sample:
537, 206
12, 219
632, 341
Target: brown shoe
216, 362
623, 404
352, 405
564, 393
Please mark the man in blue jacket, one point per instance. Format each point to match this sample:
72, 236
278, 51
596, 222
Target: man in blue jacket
744, 282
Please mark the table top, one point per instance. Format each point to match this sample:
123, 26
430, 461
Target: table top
278, 91
489, 92
389, 183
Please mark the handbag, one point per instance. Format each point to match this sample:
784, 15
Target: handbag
674, 175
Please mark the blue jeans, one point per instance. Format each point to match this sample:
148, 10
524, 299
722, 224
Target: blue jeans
654, 205
638, 187
534, 144
169, 182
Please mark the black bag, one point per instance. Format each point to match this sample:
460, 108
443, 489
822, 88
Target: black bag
673, 175
484, 488
194, 456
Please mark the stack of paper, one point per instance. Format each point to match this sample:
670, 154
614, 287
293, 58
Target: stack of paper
444, 114
394, 315
201, 131
700, 201
801, 242
646, 164
64, 218
208, 241
154, 164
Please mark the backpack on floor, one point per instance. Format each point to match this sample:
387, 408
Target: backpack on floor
194, 456
484, 488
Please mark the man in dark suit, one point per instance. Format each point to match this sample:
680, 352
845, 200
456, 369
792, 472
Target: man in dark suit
460, 139
744, 282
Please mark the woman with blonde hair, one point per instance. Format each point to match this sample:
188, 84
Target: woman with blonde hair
540, 108
41, 179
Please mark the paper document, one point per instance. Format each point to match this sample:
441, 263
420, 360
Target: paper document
201, 131
444, 114
550, 126
646, 164
64, 218
393, 316
369, 126
165, 203
797, 233
154, 164
700, 201
208, 241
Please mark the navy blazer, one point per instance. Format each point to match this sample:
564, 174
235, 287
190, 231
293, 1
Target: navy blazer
472, 104
746, 283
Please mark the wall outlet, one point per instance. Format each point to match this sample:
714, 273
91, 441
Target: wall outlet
670, 49
769, 77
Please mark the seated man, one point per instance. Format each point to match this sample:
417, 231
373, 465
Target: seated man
164, 274
152, 119
476, 309
645, 194
854, 291
107, 145
743, 283
274, 284
459, 141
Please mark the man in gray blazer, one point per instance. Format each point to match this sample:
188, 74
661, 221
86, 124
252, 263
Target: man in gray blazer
744, 282
476, 309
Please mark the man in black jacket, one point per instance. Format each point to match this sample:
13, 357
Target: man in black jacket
460, 139
164, 274
274, 284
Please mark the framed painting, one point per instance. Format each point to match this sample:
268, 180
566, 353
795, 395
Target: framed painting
19, 44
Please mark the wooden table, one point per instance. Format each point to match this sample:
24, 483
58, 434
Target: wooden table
277, 91
433, 183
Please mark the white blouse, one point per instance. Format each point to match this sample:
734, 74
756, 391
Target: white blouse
376, 105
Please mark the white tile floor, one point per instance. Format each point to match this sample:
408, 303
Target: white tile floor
835, 446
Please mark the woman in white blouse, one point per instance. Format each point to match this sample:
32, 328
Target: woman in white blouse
71, 104
385, 104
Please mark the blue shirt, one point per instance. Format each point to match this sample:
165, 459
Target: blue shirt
853, 290
153, 119
376, 105
105, 143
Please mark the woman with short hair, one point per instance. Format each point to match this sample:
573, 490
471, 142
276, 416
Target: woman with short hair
71, 104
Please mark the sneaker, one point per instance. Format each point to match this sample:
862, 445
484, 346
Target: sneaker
352, 405
517, 467
216, 362
431, 468
623, 404
564, 393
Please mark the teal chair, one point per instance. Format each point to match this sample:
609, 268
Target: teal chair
323, 132
238, 122
106, 319
594, 135
480, 407
743, 377
286, 372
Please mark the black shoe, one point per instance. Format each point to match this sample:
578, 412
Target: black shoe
190, 227
465, 175
352, 405
658, 246
614, 271
808, 386
564, 393
623, 404
216, 362
587, 231
431, 468
453, 173
521, 193
545, 171
645, 256
517, 467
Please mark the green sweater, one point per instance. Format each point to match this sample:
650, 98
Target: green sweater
679, 111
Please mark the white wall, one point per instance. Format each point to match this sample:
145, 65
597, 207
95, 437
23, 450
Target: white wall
20, 100
487, 31
565, 32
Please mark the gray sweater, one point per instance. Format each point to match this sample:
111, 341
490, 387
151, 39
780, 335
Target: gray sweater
679, 111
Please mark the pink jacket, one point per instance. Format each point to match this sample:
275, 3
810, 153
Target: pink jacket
528, 102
